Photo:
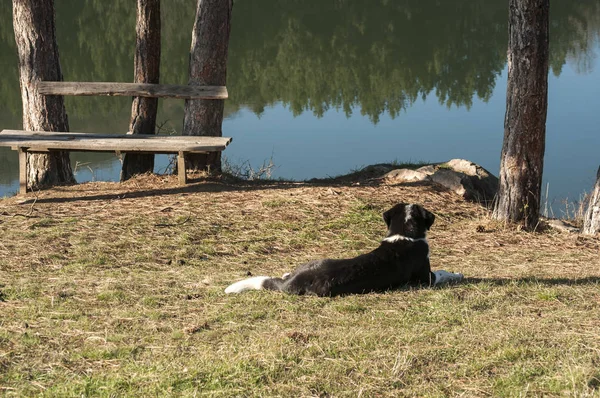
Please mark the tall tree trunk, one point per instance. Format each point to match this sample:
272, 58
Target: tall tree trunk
208, 66
33, 23
522, 159
591, 220
146, 70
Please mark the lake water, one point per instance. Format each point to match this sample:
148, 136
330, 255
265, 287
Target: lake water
325, 87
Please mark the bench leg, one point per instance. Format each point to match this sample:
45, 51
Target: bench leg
181, 168
22, 171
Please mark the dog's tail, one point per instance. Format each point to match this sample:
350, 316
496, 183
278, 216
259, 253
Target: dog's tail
255, 283
443, 277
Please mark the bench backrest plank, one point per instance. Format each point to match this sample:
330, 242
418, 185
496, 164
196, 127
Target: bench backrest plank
133, 90
42, 141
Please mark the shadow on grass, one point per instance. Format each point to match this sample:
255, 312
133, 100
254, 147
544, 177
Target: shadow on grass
199, 185
590, 280
141, 193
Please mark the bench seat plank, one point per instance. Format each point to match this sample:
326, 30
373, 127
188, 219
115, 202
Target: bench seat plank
43, 141
132, 90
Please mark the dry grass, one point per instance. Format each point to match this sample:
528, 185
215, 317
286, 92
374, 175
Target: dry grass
117, 290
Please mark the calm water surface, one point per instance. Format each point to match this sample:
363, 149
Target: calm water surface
324, 87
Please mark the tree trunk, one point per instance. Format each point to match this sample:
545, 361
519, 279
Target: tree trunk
33, 23
522, 159
208, 66
591, 220
146, 70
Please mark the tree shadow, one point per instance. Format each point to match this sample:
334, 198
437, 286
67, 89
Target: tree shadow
128, 192
215, 185
206, 185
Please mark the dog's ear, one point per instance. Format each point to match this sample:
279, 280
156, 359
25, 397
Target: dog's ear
387, 217
429, 218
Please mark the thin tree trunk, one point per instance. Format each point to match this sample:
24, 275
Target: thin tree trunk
146, 70
522, 159
208, 66
33, 23
591, 220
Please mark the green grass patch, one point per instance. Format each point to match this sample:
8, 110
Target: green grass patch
125, 298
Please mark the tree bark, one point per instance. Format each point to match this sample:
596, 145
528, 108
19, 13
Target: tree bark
33, 23
208, 66
591, 220
146, 70
522, 159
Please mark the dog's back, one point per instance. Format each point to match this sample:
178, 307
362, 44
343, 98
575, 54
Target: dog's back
390, 266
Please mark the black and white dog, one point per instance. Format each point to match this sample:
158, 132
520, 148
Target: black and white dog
401, 259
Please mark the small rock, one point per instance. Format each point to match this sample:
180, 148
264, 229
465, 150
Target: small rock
429, 169
405, 175
452, 180
561, 226
467, 179
465, 166
464, 177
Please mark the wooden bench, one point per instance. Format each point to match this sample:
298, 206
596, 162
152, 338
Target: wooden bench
41, 141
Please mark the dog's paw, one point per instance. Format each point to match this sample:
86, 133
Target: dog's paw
286, 275
442, 277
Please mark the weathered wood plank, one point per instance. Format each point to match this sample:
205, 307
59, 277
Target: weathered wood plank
133, 90
44, 141
115, 146
22, 172
59, 135
181, 168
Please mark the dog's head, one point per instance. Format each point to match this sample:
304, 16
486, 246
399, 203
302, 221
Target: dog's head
410, 220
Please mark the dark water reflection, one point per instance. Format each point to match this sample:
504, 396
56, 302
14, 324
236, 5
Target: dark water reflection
328, 85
